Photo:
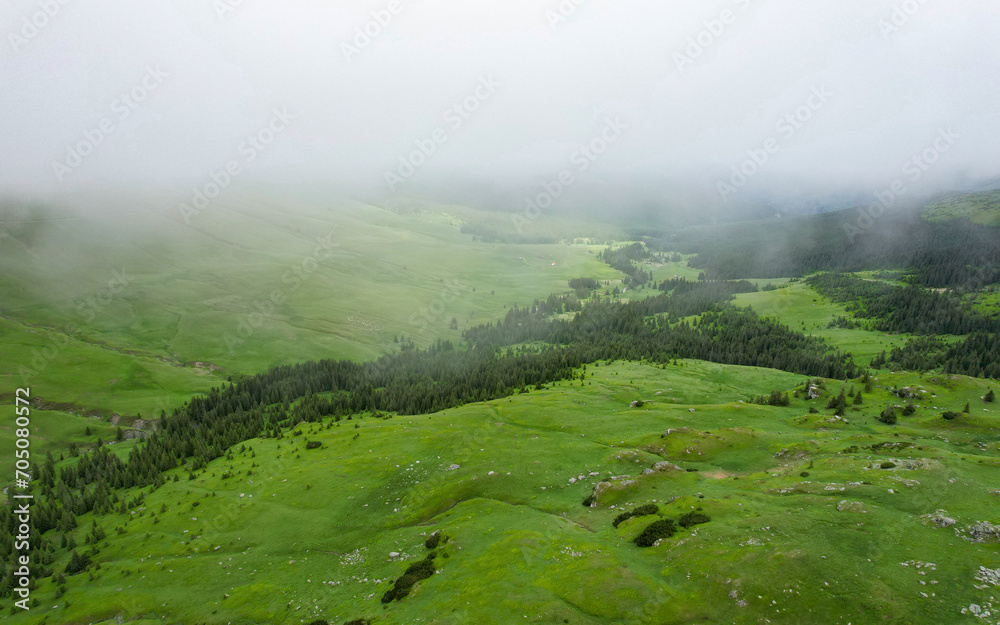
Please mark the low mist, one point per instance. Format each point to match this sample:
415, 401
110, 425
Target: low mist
707, 110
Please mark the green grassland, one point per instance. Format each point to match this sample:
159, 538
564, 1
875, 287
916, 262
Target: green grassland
84, 385
801, 308
801, 531
135, 313
110, 320
249, 284
987, 302
981, 208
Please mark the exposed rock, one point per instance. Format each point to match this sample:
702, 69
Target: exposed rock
851, 506
662, 467
980, 532
619, 482
812, 391
785, 453
987, 577
939, 518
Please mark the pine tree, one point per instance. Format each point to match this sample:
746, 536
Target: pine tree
838, 403
888, 416
77, 563
990, 397
859, 399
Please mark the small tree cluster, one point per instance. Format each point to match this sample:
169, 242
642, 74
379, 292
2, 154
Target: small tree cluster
776, 398
693, 518
77, 563
650, 508
658, 530
413, 574
888, 416
838, 403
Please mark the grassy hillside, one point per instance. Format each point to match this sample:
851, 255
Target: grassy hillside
980, 208
250, 284
802, 308
80, 385
245, 286
805, 524
136, 311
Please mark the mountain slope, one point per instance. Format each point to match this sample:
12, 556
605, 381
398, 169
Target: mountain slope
804, 524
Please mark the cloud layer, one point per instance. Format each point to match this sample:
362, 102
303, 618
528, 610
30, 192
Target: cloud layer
165, 95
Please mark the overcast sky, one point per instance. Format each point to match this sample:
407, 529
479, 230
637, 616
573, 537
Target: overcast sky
678, 90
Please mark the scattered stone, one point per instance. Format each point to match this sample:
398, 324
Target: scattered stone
851, 506
987, 577
907, 393
939, 518
662, 467
980, 532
